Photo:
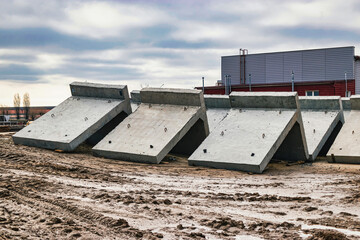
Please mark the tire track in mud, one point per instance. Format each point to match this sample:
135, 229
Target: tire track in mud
211, 207
111, 226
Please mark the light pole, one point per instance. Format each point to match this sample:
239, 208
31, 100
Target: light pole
292, 81
250, 82
229, 84
226, 83
203, 85
346, 91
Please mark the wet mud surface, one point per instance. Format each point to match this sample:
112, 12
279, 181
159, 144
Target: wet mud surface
50, 195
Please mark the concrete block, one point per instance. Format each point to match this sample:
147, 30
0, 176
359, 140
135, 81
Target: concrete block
355, 102
135, 96
89, 114
345, 101
166, 120
346, 148
250, 135
97, 90
274, 100
323, 119
217, 101
183, 97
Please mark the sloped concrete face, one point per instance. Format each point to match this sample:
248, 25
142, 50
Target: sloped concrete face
166, 120
345, 101
90, 113
217, 108
322, 118
258, 126
346, 148
135, 99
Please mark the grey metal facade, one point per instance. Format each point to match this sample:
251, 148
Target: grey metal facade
308, 66
357, 77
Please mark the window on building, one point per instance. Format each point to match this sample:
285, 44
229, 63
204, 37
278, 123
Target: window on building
312, 93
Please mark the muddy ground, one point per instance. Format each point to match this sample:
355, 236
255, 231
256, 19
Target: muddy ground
50, 195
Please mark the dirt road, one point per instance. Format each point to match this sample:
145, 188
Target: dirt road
50, 195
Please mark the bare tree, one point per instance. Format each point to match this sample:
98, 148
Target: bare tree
4, 108
26, 104
17, 102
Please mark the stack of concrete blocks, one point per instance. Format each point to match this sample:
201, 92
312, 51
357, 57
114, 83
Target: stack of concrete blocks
166, 120
345, 101
258, 127
89, 114
346, 148
323, 118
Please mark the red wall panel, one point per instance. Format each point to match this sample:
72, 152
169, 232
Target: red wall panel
329, 88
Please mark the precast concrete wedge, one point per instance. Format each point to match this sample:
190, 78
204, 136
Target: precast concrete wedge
346, 147
323, 118
258, 127
89, 114
166, 120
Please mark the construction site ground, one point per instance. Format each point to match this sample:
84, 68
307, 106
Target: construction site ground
53, 195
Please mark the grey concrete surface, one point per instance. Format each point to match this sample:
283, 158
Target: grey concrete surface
135, 96
275, 100
249, 136
345, 101
97, 90
217, 108
346, 148
322, 118
134, 106
166, 120
346, 106
83, 116
217, 101
215, 116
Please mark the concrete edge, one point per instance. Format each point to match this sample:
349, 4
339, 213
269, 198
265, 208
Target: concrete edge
355, 102
47, 144
186, 97
128, 157
343, 159
271, 100
97, 90
135, 96
320, 103
217, 101
227, 166
345, 101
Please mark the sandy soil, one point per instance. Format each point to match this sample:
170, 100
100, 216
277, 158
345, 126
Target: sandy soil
50, 195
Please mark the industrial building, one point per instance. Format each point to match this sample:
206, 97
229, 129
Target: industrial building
315, 72
34, 112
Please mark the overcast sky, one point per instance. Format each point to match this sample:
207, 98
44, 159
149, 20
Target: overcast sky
45, 45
